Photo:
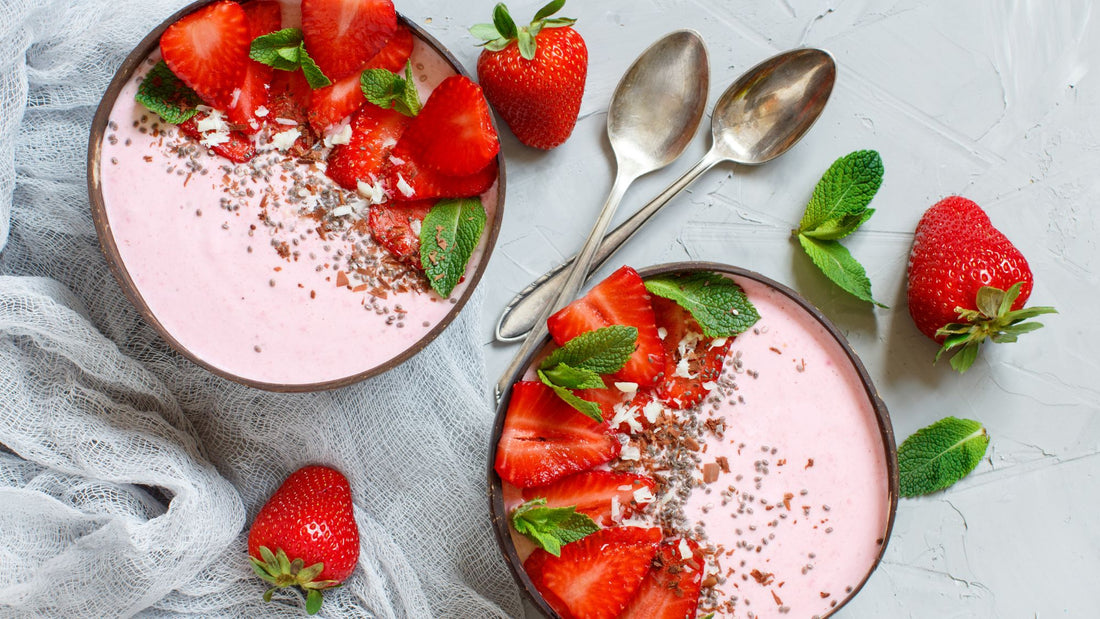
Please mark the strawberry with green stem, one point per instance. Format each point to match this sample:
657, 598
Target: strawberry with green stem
534, 75
967, 282
306, 535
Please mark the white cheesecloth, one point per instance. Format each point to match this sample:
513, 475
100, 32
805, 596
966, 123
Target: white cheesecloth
100, 421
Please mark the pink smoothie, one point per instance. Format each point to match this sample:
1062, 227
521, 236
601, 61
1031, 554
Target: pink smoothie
233, 262
788, 487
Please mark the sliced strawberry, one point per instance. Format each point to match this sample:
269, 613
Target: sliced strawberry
332, 104
239, 148
208, 50
408, 179
396, 226
671, 588
692, 362
374, 132
287, 109
545, 439
595, 577
264, 17
342, 35
453, 134
591, 492
608, 398
621, 299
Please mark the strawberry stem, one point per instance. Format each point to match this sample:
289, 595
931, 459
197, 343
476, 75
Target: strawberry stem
993, 320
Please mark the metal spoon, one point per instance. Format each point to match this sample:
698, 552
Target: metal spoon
651, 119
759, 117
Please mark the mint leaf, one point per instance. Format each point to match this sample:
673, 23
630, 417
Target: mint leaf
313, 73
551, 527
166, 95
837, 264
563, 375
602, 351
839, 202
591, 409
939, 455
448, 236
281, 49
388, 90
286, 50
717, 303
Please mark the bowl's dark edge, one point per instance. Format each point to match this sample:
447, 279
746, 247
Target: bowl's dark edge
886, 430
118, 269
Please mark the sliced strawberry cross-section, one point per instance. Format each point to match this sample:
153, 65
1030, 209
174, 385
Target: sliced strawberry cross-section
604, 496
331, 104
208, 50
453, 134
621, 299
374, 133
693, 362
396, 226
545, 439
264, 17
671, 588
342, 35
407, 178
597, 576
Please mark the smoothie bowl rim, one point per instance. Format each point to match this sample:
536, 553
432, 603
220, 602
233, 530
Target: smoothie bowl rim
109, 247
498, 513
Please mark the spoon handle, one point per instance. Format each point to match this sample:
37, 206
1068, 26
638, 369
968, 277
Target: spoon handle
574, 279
521, 314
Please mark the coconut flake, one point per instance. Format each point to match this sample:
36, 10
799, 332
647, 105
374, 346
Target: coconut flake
651, 411
616, 509
682, 370
625, 413
215, 138
627, 387
643, 495
341, 211
631, 452
396, 160
214, 122
287, 121
340, 135
662, 332
404, 187
262, 111
285, 139
685, 550
718, 342
374, 193
414, 225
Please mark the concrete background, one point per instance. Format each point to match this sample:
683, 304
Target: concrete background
995, 100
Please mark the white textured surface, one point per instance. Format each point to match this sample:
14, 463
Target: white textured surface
995, 100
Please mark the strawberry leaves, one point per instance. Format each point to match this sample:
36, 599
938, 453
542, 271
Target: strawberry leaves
448, 236
286, 50
279, 571
551, 527
717, 304
939, 455
500, 34
993, 320
837, 208
166, 95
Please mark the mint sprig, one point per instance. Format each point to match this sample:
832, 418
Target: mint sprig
387, 89
448, 236
286, 50
939, 455
165, 94
717, 303
837, 208
579, 363
551, 527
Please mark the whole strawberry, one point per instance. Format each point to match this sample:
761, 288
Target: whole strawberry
534, 76
305, 535
967, 282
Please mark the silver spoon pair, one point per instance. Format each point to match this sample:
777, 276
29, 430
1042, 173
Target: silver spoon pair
653, 114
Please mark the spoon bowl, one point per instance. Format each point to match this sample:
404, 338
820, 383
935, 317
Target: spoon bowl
769, 108
759, 117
